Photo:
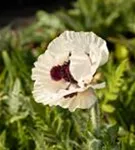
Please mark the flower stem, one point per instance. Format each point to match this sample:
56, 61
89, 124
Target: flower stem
95, 119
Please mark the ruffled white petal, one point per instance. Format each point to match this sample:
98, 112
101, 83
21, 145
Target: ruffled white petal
88, 42
80, 68
59, 45
82, 100
44, 84
85, 97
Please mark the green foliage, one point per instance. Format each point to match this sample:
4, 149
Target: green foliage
3, 141
115, 82
101, 16
32, 126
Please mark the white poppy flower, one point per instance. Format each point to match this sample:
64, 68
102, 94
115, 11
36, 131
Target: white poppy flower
63, 74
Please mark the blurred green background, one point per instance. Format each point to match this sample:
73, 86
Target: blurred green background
27, 125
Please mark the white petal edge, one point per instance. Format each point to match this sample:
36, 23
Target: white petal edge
86, 41
99, 85
70, 41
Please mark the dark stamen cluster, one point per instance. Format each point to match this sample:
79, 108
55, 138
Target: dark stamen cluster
70, 95
55, 73
62, 72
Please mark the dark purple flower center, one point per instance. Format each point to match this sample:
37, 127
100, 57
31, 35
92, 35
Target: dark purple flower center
62, 72
55, 73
